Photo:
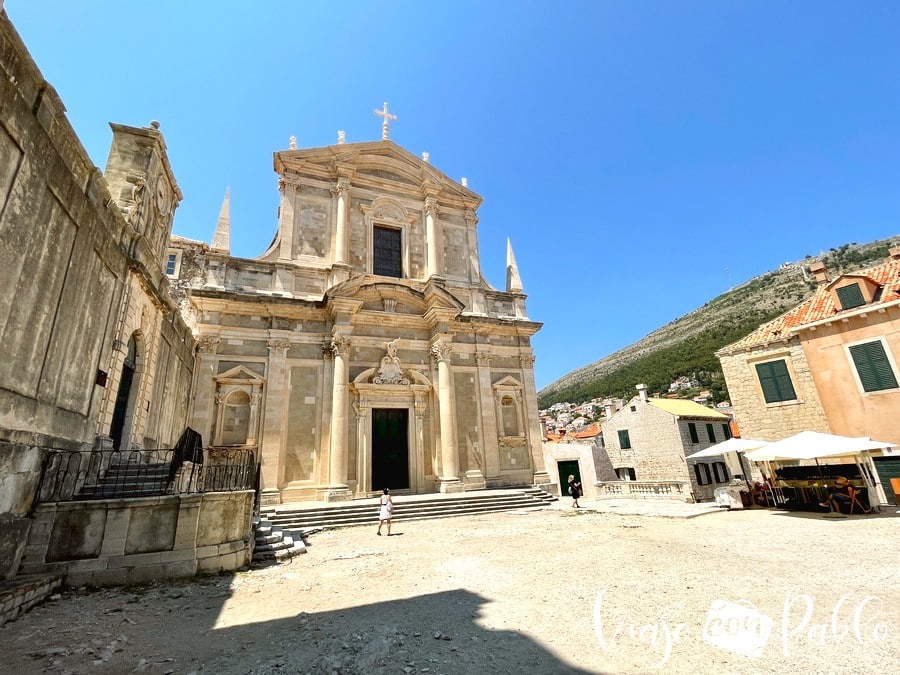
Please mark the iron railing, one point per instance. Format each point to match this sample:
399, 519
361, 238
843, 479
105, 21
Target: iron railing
108, 474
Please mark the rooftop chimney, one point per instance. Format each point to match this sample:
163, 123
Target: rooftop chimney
608, 408
819, 272
894, 253
642, 392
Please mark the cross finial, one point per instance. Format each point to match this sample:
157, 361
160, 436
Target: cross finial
386, 119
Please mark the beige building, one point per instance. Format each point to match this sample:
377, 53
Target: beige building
363, 349
649, 439
828, 365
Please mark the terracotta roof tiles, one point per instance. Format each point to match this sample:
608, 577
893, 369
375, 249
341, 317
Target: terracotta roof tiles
820, 305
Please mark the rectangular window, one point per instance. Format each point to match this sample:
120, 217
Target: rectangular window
387, 252
726, 431
701, 471
711, 433
624, 439
720, 471
171, 264
626, 473
775, 381
850, 296
873, 367
692, 430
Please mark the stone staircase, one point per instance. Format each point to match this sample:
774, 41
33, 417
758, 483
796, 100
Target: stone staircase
128, 481
275, 544
301, 518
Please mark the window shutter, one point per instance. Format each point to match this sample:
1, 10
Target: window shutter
872, 364
711, 432
624, 440
775, 381
692, 429
726, 430
850, 296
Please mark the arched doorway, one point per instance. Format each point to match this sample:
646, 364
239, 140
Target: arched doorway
121, 411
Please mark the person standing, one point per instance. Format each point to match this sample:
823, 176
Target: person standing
574, 491
385, 512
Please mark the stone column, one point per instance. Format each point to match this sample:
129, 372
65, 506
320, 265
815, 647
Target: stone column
363, 459
489, 434
431, 237
272, 443
534, 423
286, 219
418, 470
337, 489
448, 480
253, 427
204, 372
342, 191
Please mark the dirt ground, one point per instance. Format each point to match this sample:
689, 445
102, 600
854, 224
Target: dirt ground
550, 591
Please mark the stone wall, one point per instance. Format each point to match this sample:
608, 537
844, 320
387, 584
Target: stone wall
82, 266
773, 421
129, 541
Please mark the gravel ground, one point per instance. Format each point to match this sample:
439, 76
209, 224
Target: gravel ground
550, 591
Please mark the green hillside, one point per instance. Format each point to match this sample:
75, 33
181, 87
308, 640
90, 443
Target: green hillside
687, 345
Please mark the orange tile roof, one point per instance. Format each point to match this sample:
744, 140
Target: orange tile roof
588, 432
820, 305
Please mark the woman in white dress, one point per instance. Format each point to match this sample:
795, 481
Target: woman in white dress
386, 511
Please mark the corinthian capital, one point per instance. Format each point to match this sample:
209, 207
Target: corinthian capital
483, 358
527, 360
431, 207
337, 345
207, 344
278, 347
341, 188
440, 351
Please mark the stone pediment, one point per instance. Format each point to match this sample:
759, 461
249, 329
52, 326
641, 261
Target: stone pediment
239, 375
375, 292
391, 372
380, 160
508, 382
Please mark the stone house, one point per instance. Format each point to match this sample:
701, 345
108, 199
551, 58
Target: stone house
828, 365
363, 349
649, 439
579, 453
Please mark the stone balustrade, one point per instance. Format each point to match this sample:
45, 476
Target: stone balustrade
644, 489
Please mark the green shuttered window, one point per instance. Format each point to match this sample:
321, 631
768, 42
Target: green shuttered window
775, 381
624, 439
850, 296
873, 367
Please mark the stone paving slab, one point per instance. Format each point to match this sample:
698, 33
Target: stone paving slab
666, 508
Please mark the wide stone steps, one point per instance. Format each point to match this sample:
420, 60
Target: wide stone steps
349, 514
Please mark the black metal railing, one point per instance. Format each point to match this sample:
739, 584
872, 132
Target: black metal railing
107, 474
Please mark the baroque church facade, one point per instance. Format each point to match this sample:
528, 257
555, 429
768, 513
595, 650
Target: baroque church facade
363, 349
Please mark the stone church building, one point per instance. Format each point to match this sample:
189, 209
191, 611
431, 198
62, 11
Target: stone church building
363, 349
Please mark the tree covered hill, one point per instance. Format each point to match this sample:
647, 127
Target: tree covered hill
687, 345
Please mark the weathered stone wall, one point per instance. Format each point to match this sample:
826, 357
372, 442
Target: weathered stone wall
80, 261
128, 541
773, 421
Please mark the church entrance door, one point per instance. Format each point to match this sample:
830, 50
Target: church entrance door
390, 448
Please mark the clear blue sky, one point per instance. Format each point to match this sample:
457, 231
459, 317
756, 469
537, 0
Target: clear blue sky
641, 156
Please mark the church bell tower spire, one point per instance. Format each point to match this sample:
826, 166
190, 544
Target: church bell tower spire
513, 280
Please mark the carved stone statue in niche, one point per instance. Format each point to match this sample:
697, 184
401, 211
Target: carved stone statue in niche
390, 371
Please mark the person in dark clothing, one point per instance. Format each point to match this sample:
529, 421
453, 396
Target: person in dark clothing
574, 491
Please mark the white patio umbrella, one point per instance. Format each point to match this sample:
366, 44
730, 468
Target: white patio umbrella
816, 445
731, 445
813, 445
